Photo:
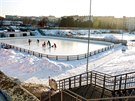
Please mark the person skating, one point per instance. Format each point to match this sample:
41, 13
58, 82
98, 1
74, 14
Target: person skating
29, 41
54, 45
49, 43
44, 44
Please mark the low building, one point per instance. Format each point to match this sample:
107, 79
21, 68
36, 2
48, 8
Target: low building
16, 34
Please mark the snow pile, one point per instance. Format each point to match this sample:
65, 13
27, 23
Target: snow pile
65, 32
26, 67
110, 38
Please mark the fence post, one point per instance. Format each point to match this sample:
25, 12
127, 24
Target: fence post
56, 57
61, 95
114, 83
87, 78
120, 83
77, 57
90, 53
103, 86
85, 55
59, 86
74, 82
95, 78
69, 83
64, 83
125, 84
91, 78
68, 58
80, 80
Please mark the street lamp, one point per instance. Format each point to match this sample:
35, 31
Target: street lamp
87, 66
123, 48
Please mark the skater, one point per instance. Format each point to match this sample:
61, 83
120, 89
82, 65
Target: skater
29, 41
54, 45
44, 44
49, 43
38, 41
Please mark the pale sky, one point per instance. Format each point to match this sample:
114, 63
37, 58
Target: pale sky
117, 8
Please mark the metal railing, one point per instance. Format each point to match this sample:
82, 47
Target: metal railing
96, 78
120, 83
112, 83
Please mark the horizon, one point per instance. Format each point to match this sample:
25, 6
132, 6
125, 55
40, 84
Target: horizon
59, 8
67, 15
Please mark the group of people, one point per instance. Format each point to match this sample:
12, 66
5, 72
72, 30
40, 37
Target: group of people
49, 44
44, 43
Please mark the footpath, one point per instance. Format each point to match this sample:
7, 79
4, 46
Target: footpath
104, 59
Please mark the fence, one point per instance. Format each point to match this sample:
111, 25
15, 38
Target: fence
119, 85
112, 83
59, 57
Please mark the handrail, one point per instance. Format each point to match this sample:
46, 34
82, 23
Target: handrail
85, 79
108, 82
102, 73
125, 73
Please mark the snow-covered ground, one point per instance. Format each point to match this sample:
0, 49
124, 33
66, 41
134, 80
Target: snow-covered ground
31, 69
94, 33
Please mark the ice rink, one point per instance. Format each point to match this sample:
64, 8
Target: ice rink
63, 46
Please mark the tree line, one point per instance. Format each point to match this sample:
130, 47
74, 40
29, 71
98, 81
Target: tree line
71, 22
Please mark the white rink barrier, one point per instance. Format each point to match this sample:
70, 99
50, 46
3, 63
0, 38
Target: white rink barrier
59, 57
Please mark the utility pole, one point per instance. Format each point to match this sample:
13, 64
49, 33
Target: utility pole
87, 66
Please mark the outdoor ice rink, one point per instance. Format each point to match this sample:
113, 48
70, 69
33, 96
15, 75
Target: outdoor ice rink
64, 46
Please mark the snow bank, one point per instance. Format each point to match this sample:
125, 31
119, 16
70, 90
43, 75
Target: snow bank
29, 68
110, 38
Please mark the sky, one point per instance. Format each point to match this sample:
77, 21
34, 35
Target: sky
58, 8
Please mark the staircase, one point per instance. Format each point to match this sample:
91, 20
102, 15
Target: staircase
93, 85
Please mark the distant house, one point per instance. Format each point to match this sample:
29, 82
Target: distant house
9, 23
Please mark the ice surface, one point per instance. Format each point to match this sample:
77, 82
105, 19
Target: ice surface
63, 46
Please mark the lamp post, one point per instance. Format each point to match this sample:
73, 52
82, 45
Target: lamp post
87, 66
123, 48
